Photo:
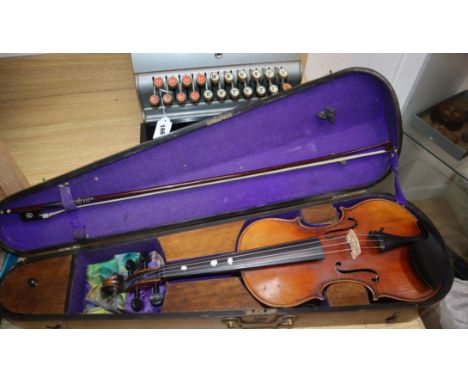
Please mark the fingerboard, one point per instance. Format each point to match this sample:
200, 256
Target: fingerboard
289, 253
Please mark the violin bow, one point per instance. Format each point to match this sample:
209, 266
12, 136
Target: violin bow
37, 211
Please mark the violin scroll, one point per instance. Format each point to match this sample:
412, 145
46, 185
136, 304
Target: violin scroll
113, 285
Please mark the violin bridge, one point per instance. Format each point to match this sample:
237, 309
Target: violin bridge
353, 242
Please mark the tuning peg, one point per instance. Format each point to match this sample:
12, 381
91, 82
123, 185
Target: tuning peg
144, 259
130, 266
156, 297
137, 303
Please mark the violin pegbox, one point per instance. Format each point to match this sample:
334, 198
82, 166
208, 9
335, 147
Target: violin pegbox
147, 262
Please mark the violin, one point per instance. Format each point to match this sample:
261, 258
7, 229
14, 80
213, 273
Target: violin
376, 243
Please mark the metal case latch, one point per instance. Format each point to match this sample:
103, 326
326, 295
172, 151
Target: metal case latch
263, 321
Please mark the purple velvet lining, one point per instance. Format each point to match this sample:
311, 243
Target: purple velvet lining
399, 196
282, 131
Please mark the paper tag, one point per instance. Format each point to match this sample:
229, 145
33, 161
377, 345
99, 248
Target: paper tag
163, 127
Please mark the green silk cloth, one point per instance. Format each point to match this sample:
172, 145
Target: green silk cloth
97, 302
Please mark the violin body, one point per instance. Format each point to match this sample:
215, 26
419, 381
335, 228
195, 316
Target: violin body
294, 284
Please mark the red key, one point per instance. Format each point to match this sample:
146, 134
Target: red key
194, 96
154, 100
201, 79
167, 99
187, 81
172, 82
286, 86
158, 82
181, 97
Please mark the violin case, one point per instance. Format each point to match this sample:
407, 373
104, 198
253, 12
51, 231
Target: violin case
351, 109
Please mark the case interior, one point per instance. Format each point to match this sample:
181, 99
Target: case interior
279, 130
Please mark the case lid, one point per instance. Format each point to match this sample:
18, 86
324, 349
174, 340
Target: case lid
350, 110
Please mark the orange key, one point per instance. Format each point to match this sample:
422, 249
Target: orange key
187, 81
201, 79
158, 82
168, 98
172, 82
154, 100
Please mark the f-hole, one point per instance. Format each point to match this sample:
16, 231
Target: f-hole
368, 270
353, 225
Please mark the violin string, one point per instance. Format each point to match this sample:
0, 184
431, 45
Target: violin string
249, 256
203, 262
260, 259
264, 264
240, 255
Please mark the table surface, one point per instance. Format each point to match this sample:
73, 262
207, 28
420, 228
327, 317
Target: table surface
59, 112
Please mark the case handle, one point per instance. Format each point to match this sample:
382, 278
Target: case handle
260, 321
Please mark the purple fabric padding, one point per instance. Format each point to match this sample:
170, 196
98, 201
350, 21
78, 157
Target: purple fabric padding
399, 196
279, 132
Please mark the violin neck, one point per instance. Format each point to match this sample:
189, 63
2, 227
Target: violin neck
300, 251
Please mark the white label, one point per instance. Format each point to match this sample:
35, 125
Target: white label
163, 127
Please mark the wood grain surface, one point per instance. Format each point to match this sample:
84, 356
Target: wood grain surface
205, 241
12, 178
208, 295
47, 297
59, 112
